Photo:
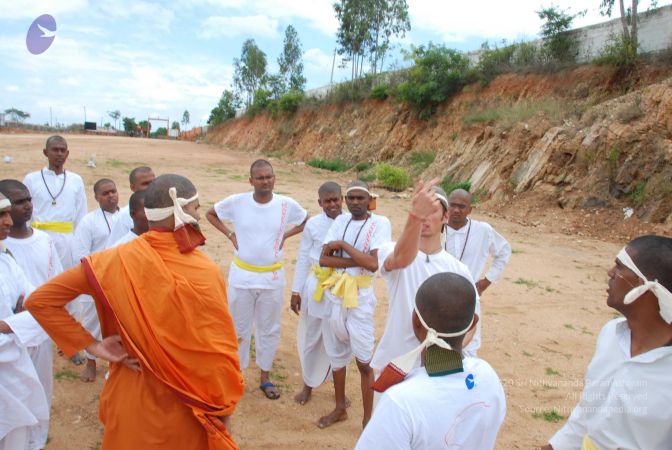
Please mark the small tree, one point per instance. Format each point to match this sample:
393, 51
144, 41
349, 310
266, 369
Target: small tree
130, 127
559, 44
16, 115
249, 70
175, 125
290, 63
115, 115
185, 118
225, 109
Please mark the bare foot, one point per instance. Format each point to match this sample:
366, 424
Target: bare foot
77, 359
304, 396
89, 373
337, 415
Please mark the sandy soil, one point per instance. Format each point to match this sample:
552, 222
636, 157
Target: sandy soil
540, 322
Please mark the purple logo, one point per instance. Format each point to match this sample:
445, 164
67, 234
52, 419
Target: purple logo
41, 34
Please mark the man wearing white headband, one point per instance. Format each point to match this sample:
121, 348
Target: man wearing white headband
472, 241
627, 395
163, 308
405, 264
452, 401
262, 221
23, 403
350, 249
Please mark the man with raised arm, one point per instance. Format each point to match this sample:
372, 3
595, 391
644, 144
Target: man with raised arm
626, 396
308, 276
257, 277
163, 308
407, 263
91, 236
350, 250
139, 179
472, 241
59, 199
452, 400
35, 253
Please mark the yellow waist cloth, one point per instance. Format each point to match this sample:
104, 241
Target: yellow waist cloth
321, 273
56, 227
259, 269
345, 286
588, 444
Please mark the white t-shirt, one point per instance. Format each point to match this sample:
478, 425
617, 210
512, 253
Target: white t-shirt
402, 285
92, 233
626, 399
310, 249
37, 257
365, 236
482, 241
122, 225
259, 230
463, 410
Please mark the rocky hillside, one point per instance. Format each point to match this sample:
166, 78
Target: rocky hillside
578, 140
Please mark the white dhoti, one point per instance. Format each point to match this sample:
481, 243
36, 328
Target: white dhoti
43, 360
349, 331
258, 308
315, 363
87, 315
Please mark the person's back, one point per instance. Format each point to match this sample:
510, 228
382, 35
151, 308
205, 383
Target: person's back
460, 410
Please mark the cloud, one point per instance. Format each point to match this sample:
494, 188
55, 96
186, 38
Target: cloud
257, 26
23, 9
12, 88
317, 59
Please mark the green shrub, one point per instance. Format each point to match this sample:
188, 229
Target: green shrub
619, 52
421, 160
438, 73
337, 165
379, 92
449, 185
290, 101
363, 166
392, 178
368, 176
639, 194
492, 62
262, 99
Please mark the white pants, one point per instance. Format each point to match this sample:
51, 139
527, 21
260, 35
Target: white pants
88, 316
42, 358
258, 308
315, 364
349, 332
17, 439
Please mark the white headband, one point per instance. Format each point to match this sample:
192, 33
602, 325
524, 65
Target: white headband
5, 203
157, 214
360, 188
662, 294
406, 362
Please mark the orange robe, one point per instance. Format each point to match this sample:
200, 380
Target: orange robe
172, 314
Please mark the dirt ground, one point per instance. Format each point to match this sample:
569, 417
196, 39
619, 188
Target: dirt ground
540, 322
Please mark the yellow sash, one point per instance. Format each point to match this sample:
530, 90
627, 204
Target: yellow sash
321, 273
588, 444
259, 269
56, 227
345, 286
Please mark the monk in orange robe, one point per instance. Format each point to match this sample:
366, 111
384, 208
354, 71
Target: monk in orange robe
174, 375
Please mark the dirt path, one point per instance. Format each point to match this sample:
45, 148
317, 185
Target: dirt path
540, 322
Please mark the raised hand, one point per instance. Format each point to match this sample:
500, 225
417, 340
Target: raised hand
109, 349
424, 199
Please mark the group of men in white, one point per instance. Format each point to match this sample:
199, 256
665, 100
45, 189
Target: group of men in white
423, 386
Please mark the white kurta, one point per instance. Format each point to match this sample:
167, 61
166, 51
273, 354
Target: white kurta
256, 299
70, 205
463, 410
128, 237
121, 227
626, 400
483, 241
23, 403
402, 285
37, 257
90, 237
314, 359
350, 331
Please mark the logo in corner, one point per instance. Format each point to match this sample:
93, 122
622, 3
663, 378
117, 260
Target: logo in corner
469, 381
41, 34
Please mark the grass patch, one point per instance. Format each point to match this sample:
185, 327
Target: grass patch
392, 178
529, 283
509, 115
549, 416
551, 372
119, 164
421, 160
528, 354
517, 251
363, 166
65, 374
337, 165
569, 326
449, 185
639, 193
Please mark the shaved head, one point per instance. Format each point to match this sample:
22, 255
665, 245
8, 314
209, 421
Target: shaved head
157, 196
11, 185
447, 301
99, 183
460, 193
55, 139
329, 188
135, 173
260, 163
137, 201
653, 257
